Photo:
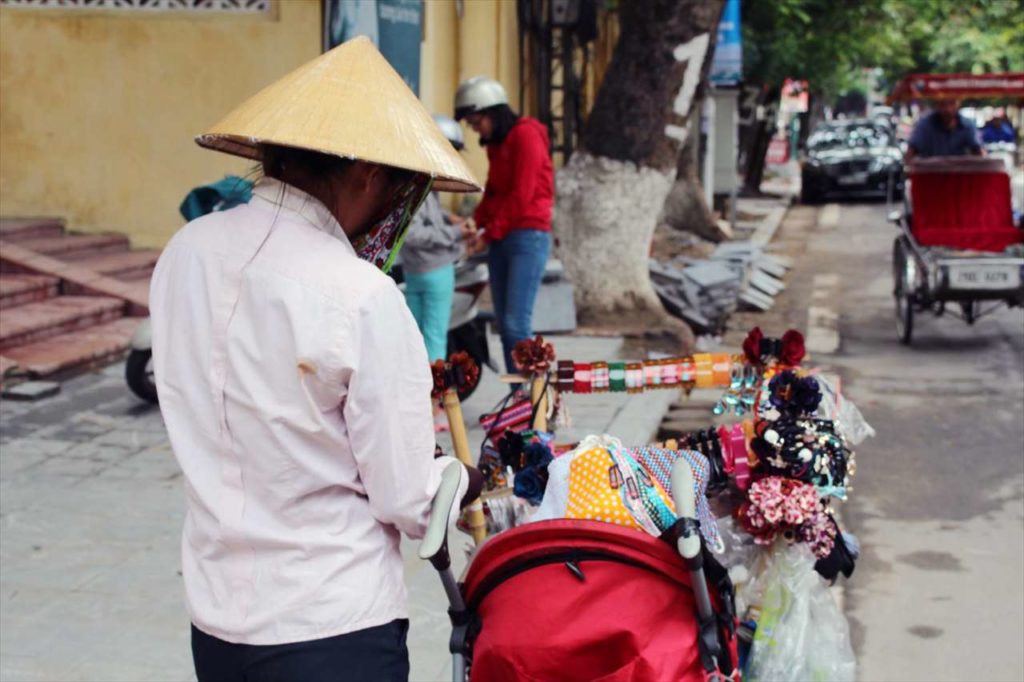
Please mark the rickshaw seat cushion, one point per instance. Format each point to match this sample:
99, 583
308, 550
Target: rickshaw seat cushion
963, 210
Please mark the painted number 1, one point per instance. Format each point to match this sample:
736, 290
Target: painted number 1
693, 53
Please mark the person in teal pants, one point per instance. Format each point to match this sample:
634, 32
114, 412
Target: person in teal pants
431, 248
432, 245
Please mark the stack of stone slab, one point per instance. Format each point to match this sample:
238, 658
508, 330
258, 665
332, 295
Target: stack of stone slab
705, 292
701, 292
762, 272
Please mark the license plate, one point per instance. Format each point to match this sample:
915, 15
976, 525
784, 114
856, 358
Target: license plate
982, 277
854, 179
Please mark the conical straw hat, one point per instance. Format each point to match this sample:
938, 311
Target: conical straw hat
348, 102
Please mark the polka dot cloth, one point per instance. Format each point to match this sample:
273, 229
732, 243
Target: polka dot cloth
612, 487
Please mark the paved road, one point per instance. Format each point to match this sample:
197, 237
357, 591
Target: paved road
939, 493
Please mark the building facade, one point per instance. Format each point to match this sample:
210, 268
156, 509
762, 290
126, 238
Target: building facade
100, 100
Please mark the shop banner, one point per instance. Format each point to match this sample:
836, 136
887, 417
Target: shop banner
727, 65
394, 26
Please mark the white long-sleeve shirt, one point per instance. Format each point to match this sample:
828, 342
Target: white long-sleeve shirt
296, 391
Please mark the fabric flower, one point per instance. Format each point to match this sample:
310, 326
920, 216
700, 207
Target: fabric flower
778, 506
530, 484
533, 356
437, 371
537, 455
793, 350
752, 346
465, 371
510, 450
792, 394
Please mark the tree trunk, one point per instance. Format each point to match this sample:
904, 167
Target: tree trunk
611, 192
764, 130
686, 207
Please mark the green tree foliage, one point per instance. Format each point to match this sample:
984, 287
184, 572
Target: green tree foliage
830, 42
945, 36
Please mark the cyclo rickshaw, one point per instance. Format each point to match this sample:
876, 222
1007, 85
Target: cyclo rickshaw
960, 241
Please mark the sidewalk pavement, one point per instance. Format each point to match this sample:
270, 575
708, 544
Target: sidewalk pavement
91, 509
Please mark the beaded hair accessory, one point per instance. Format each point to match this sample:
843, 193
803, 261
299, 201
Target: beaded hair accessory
790, 442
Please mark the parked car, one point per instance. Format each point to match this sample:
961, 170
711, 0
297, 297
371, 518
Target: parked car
859, 156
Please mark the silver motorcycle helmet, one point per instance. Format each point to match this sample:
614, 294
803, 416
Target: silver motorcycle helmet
451, 130
476, 94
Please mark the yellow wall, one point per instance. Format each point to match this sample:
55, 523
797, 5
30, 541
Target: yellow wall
98, 109
482, 42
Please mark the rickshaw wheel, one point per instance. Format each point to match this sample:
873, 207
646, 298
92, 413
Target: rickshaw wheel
904, 299
970, 309
904, 317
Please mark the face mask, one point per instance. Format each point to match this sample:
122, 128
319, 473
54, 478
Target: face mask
381, 244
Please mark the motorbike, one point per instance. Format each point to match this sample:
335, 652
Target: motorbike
467, 331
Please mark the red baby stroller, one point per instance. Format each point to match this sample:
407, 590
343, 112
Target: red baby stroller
586, 600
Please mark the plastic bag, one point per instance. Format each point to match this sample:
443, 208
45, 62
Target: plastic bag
801, 635
849, 421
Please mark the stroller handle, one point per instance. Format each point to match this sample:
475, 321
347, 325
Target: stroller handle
686, 507
435, 541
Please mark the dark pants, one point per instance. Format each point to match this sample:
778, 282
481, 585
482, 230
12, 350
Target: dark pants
377, 654
516, 265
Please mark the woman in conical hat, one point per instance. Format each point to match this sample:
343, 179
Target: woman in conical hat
294, 382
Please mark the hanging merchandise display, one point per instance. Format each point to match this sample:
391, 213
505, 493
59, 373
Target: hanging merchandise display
774, 474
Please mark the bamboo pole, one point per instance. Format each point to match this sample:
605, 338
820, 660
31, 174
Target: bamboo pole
460, 442
539, 397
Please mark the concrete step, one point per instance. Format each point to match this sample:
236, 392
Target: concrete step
17, 229
40, 320
129, 265
73, 247
17, 290
76, 351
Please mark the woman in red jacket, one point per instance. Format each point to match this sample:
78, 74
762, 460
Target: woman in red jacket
515, 214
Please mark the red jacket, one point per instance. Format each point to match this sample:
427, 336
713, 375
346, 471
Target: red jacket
520, 182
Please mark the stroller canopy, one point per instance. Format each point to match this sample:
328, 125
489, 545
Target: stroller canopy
582, 600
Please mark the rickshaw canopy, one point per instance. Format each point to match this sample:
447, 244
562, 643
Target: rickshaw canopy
958, 86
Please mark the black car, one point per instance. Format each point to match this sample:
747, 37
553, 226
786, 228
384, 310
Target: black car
851, 157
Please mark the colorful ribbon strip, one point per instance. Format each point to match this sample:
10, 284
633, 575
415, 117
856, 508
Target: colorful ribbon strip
703, 370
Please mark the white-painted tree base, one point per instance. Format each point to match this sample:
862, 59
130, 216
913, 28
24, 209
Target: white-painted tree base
605, 214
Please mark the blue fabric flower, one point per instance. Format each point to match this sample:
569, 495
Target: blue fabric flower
530, 484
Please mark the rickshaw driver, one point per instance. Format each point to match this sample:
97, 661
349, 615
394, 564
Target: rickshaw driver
943, 132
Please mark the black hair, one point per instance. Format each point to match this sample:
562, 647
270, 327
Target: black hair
502, 119
276, 158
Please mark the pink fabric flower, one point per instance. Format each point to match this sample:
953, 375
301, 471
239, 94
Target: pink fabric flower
782, 506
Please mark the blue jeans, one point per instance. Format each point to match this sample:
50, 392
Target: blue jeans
429, 296
516, 266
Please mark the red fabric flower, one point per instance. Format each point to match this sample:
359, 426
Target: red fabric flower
533, 356
438, 371
464, 368
460, 370
793, 350
752, 346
